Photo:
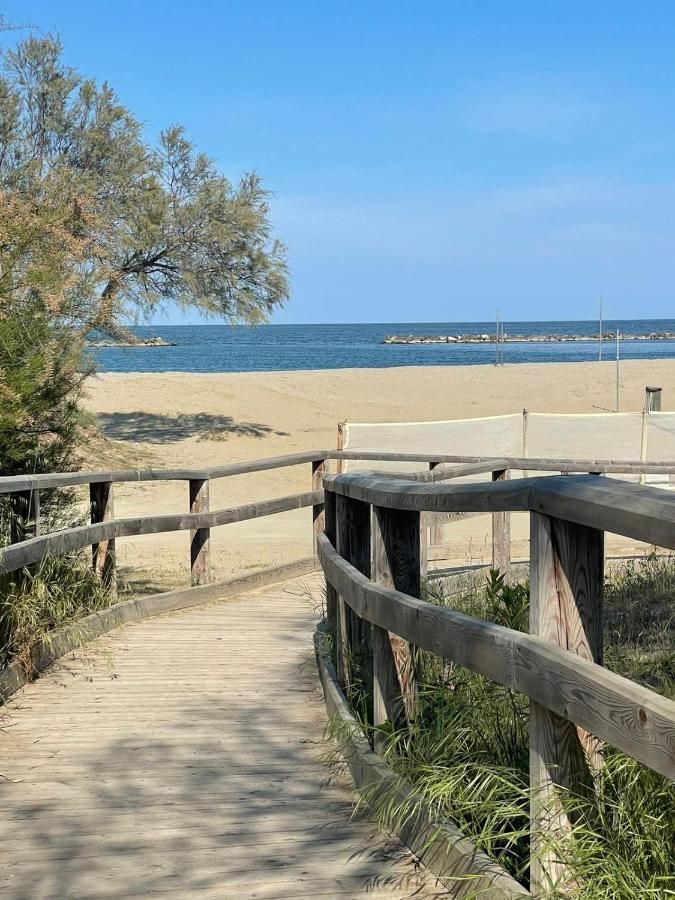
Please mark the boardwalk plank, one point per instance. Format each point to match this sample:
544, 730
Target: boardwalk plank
183, 756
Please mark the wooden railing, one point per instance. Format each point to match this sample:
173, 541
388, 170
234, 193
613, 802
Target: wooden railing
372, 553
371, 556
30, 545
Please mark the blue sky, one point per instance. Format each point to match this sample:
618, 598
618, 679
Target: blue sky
431, 161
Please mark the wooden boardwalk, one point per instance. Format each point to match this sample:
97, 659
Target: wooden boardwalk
183, 755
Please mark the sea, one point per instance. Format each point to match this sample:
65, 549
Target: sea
265, 348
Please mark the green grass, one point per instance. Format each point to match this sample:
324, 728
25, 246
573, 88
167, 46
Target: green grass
35, 601
467, 752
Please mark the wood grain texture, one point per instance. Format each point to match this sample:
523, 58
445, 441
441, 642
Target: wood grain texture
353, 543
614, 709
332, 598
15, 557
501, 533
396, 564
102, 509
644, 513
14, 483
199, 537
318, 513
160, 761
566, 584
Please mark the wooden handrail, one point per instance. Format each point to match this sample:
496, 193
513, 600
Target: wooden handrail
631, 717
372, 564
633, 510
10, 484
16, 556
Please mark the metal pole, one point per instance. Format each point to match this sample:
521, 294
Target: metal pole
497, 341
600, 350
617, 369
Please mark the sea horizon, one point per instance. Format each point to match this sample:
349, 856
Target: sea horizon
215, 347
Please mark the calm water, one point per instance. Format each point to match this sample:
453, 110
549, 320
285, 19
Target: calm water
222, 348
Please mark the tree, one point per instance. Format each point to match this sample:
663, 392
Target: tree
42, 280
163, 224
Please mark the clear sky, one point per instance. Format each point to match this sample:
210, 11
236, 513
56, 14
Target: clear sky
429, 161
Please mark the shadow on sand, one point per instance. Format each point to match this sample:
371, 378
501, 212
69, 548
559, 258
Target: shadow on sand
153, 428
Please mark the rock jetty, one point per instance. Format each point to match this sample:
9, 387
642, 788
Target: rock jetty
523, 338
142, 342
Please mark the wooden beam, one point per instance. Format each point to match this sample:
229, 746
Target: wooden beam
387, 648
625, 714
396, 564
318, 512
353, 545
36, 549
501, 533
11, 484
332, 598
102, 510
566, 583
644, 513
199, 537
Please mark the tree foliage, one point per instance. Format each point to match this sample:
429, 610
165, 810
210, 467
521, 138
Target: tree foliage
161, 223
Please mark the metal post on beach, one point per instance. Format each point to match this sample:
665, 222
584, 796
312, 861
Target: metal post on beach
617, 370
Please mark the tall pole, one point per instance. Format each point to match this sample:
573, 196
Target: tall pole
497, 341
617, 369
600, 349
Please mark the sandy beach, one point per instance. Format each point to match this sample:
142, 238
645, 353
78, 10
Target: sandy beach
180, 419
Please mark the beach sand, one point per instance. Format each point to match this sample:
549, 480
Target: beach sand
183, 419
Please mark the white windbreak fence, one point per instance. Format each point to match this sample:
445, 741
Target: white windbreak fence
616, 436
489, 436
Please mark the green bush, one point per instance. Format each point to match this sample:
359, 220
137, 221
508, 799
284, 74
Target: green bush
33, 603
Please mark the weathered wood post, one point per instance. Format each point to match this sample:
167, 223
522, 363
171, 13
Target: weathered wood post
653, 399
332, 598
501, 533
102, 509
353, 544
431, 534
395, 563
340, 463
318, 510
566, 582
24, 521
652, 404
199, 537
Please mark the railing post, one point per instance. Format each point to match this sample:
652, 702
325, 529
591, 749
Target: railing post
431, 533
24, 514
566, 582
332, 598
353, 544
501, 533
318, 510
199, 537
101, 504
395, 563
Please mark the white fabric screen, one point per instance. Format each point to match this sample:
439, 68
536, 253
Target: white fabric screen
616, 436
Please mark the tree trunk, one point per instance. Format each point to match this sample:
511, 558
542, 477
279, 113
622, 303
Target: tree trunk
105, 321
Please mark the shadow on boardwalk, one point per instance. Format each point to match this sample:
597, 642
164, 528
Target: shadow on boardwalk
183, 756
